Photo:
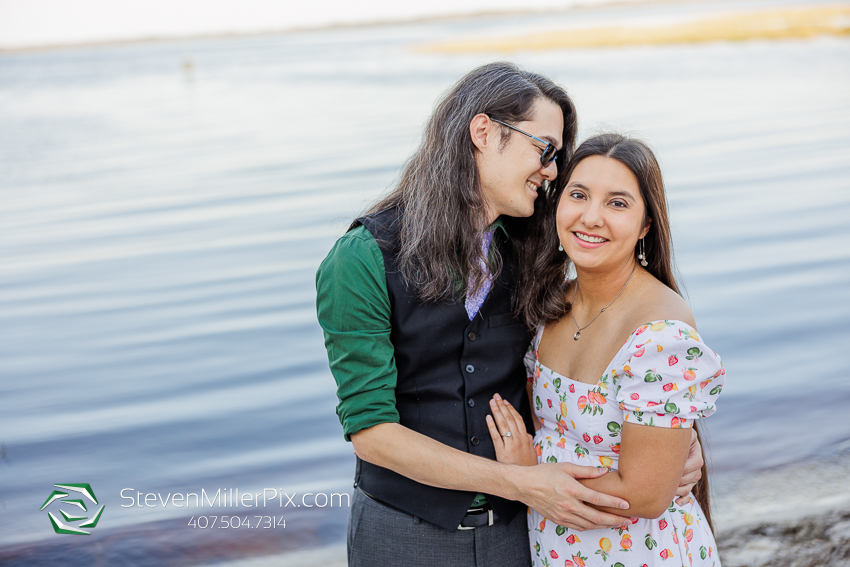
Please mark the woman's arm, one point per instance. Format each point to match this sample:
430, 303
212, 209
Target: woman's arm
673, 378
650, 468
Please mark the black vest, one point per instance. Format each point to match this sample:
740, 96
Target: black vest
448, 370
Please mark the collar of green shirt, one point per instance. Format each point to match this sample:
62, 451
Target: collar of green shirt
500, 224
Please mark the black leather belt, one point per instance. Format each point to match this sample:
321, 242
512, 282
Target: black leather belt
476, 518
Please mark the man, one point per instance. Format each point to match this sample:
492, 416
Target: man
419, 304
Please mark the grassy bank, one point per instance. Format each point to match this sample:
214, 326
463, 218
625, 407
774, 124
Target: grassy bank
771, 24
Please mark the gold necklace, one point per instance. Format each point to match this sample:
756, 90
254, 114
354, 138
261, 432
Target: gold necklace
577, 336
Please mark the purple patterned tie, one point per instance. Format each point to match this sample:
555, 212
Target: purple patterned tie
473, 302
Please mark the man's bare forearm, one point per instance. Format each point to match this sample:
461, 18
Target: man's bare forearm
430, 462
551, 489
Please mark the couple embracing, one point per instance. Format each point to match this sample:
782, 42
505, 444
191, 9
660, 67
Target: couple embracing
474, 448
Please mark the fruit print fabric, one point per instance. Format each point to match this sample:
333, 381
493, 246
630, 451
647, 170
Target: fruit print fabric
663, 376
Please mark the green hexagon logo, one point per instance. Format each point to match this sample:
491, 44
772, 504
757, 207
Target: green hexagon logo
85, 490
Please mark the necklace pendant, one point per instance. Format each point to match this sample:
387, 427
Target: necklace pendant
577, 336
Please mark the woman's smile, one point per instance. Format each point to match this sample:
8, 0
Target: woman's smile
586, 240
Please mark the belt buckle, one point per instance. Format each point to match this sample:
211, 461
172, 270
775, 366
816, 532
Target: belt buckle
489, 518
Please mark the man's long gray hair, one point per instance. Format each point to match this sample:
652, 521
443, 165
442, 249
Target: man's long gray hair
439, 193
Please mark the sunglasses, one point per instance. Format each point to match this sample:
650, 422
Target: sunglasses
550, 152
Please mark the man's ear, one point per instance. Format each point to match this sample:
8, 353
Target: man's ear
483, 132
646, 226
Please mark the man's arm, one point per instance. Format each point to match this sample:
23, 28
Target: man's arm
353, 308
551, 489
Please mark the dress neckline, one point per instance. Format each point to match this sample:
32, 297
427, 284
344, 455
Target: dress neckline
629, 338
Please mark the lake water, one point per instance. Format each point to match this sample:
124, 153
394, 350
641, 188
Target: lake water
164, 207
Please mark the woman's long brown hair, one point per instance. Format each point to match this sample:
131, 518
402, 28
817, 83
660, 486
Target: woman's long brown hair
548, 269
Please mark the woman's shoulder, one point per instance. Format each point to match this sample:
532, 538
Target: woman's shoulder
664, 334
654, 301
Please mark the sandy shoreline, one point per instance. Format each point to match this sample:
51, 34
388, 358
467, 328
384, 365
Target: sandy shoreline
812, 541
798, 23
771, 24
798, 515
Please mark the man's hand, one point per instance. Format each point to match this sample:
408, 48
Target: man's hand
553, 491
693, 470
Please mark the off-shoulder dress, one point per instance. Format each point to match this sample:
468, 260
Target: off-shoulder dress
663, 376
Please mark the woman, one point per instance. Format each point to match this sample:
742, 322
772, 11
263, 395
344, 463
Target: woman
618, 373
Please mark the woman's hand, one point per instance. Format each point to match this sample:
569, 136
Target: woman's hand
513, 443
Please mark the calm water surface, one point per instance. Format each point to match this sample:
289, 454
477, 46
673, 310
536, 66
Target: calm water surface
160, 229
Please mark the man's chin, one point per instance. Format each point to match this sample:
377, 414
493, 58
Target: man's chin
529, 211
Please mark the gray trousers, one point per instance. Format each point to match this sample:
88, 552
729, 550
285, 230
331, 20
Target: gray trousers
379, 536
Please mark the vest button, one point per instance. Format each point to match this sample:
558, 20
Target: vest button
471, 336
475, 440
470, 368
471, 403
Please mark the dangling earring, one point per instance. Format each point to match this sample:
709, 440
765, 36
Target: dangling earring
642, 254
567, 264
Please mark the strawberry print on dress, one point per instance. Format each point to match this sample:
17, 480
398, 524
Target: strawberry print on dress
663, 376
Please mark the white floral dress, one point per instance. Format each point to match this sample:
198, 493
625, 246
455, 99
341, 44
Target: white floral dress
663, 376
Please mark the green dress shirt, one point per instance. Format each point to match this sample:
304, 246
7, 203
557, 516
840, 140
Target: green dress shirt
353, 307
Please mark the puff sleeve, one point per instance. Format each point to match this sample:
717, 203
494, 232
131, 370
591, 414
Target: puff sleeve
668, 377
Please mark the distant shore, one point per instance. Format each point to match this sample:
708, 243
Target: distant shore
586, 37
381, 22
793, 23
